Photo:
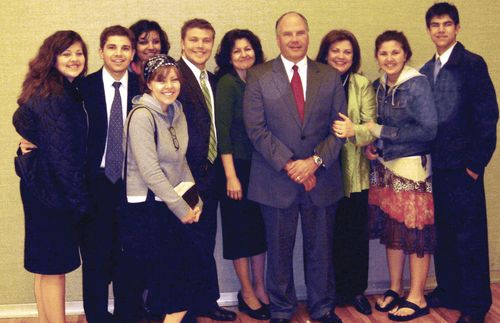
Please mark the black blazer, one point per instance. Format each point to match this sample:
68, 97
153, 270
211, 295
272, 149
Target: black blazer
467, 112
92, 89
198, 121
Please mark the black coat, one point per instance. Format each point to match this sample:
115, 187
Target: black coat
57, 125
467, 112
198, 121
92, 89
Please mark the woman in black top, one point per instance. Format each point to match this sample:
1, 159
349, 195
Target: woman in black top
52, 117
151, 40
242, 223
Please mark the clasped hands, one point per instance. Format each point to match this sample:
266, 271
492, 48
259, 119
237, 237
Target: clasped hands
192, 216
302, 172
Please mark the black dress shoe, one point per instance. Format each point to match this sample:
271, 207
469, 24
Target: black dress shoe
466, 318
361, 304
329, 317
220, 314
436, 299
279, 321
262, 313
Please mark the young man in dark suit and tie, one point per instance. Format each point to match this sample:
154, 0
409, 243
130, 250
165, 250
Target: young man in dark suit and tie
468, 113
289, 106
107, 95
197, 98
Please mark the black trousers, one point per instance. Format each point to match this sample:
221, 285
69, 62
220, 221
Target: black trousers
461, 259
351, 245
207, 227
99, 247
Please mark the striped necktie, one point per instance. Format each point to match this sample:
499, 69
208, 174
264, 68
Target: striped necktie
212, 145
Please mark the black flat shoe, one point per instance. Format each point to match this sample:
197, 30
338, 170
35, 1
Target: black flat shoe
329, 317
262, 313
220, 314
418, 312
396, 299
436, 299
361, 304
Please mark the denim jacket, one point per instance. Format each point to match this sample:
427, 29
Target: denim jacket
407, 114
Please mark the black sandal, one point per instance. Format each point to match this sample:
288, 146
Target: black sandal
396, 299
418, 312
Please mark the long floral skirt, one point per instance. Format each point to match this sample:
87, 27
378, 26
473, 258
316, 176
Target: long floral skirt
400, 204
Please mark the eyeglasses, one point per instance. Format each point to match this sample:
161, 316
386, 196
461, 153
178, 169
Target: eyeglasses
174, 137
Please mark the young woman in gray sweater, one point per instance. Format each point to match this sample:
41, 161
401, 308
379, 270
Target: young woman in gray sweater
162, 202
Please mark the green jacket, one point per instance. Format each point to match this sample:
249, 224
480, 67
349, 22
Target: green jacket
361, 107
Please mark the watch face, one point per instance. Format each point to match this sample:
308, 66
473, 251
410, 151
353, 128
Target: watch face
318, 160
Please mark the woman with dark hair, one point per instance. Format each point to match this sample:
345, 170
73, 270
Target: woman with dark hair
51, 116
400, 200
340, 50
151, 40
242, 223
161, 196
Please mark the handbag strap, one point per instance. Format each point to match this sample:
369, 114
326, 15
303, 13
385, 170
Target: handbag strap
150, 196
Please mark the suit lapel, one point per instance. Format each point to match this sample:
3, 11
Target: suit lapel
192, 85
282, 84
100, 105
313, 84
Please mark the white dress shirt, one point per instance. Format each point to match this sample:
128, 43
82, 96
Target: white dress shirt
302, 70
446, 55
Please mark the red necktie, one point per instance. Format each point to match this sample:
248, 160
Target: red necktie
298, 92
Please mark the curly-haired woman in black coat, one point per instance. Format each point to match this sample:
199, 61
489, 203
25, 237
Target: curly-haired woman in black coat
51, 116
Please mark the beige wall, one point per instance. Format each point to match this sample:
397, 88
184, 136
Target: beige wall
25, 24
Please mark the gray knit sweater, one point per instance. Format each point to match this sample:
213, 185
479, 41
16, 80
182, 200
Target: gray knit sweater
159, 167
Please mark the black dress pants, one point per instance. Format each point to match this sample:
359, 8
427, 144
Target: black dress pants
350, 246
461, 259
99, 247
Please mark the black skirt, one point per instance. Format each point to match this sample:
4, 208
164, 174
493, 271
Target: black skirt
243, 228
173, 255
51, 237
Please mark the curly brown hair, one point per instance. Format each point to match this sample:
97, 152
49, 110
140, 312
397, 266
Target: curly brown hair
43, 78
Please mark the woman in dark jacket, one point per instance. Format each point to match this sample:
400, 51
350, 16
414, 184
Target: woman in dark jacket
52, 117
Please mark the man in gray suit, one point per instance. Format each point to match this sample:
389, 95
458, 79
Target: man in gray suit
289, 106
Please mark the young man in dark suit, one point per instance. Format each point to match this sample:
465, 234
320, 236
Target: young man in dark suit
197, 97
107, 95
289, 106
466, 139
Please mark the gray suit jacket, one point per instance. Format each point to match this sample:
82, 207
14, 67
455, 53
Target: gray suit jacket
278, 135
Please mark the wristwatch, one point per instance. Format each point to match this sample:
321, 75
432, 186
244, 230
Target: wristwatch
318, 160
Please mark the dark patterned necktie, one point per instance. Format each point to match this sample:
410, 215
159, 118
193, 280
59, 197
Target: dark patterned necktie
114, 150
298, 92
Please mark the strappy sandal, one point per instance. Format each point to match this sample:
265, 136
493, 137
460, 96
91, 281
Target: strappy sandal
396, 299
418, 312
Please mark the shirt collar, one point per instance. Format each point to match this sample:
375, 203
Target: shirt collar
196, 71
108, 80
302, 64
446, 55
